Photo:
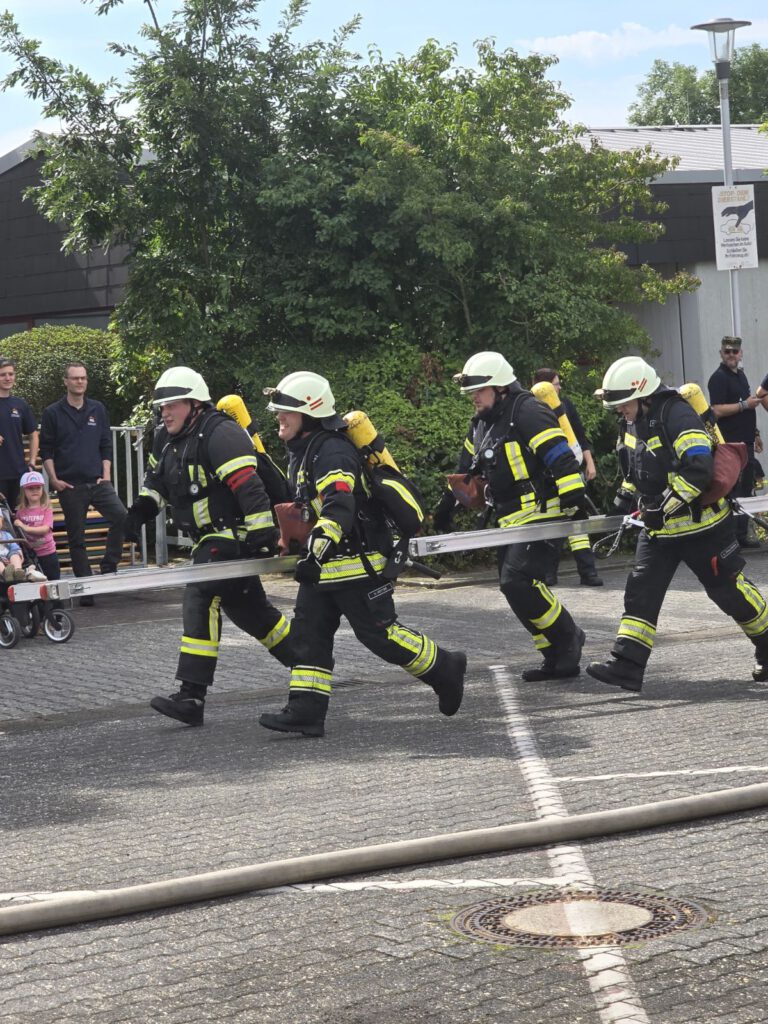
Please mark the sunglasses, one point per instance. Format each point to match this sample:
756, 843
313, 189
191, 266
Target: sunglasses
730, 351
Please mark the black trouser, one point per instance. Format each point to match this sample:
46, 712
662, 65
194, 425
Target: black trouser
522, 568
745, 488
713, 557
75, 502
369, 607
49, 564
9, 487
245, 603
582, 556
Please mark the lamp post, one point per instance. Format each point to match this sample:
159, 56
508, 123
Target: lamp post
721, 34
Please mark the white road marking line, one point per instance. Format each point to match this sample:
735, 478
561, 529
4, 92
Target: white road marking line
613, 990
659, 775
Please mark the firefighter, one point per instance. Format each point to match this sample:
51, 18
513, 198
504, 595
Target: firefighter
518, 450
665, 455
204, 466
341, 565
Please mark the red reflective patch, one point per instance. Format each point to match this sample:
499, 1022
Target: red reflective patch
713, 562
341, 486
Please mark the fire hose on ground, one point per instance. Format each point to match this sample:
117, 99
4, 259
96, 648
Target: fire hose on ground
78, 908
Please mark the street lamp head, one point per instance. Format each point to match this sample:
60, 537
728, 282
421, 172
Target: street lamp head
721, 33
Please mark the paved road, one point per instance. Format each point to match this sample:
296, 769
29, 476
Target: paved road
98, 791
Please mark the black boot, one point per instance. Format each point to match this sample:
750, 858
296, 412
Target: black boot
187, 705
304, 713
559, 663
760, 671
449, 682
618, 672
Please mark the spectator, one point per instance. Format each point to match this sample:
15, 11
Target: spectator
76, 448
16, 421
579, 545
734, 405
34, 518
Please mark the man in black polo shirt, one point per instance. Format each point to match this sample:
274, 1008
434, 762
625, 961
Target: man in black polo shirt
16, 420
734, 405
76, 448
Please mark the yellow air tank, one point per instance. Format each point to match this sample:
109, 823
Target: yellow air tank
234, 406
694, 396
546, 392
367, 439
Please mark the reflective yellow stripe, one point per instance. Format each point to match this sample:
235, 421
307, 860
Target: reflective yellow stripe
259, 520
580, 543
228, 468
677, 526
201, 513
637, 629
331, 529
524, 516
152, 461
682, 487
336, 569
551, 615
630, 441
469, 446
516, 460
337, 476
654, 443
404, 494
571, 482
198, 647
310, 678
278, 633
147, 492
424, 649
198, 477
540, 642
552, 434
757, 626
691, 439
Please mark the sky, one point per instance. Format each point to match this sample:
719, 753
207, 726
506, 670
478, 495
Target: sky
604, 47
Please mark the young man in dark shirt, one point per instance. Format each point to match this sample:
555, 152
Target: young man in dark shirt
734, 405
76, 448
16, 421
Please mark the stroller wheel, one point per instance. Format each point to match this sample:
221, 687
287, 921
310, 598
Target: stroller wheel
58, 626
28, 615
10, 631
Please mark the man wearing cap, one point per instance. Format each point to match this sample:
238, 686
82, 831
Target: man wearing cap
16, 421
734, 405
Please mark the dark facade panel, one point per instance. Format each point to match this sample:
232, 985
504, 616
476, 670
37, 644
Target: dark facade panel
36, 278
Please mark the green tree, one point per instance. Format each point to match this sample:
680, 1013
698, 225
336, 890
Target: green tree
678, 94
291, 205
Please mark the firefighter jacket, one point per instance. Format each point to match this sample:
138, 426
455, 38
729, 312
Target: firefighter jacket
522, 454
209, 475
327, 479
665, 457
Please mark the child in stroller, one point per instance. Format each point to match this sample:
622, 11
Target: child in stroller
23, 618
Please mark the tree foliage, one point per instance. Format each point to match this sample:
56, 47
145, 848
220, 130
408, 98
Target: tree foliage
291, 205
678, 94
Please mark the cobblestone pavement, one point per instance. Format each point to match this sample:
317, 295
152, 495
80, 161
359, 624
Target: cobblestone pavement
98, 792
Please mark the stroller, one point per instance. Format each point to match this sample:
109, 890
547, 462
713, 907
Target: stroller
24, 618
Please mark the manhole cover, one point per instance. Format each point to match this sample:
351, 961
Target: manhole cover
562, 918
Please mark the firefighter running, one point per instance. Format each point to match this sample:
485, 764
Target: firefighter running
204, 466
665, 455
520, 453
341, 568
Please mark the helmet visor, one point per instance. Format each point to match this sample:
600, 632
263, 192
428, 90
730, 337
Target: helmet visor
467, 381
279, 400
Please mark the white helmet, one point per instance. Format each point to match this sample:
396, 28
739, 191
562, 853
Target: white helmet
626, 379
307, 393
180, 382
485, 370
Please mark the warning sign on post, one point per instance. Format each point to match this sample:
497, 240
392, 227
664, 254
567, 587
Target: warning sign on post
733, 208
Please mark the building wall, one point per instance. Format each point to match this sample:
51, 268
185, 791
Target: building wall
38, 282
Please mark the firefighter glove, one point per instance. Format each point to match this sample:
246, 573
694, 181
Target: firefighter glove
142, 511
319, 548
442, 517
624, 502
262, 543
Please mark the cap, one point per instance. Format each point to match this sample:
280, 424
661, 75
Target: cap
32, 479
